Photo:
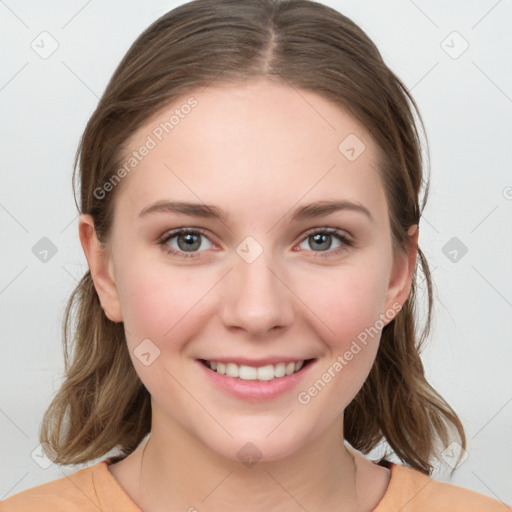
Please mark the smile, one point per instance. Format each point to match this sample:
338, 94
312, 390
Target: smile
262, 373
256, 380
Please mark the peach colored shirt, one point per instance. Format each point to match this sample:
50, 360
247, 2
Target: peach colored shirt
94, 489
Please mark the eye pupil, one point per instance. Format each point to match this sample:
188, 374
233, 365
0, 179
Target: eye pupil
191, 241
321, 238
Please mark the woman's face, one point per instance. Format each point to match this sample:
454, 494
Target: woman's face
271, 271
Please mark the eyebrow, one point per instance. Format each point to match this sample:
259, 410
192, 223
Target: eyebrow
312, 210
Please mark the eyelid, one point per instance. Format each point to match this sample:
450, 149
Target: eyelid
324, 229
343, 236
329, 230
346, 239
168, 235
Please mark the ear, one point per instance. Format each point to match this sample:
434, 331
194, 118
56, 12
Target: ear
403, 271
101, 267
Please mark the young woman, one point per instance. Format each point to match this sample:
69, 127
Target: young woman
250, 202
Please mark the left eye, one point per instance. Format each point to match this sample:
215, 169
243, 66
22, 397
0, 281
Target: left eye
323, 240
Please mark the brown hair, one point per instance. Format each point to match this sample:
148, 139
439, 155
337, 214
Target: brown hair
102, 404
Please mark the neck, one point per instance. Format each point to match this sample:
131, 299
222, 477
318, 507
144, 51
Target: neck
321, 475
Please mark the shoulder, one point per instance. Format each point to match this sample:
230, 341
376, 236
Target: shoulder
87, 490
70, 493
410, 490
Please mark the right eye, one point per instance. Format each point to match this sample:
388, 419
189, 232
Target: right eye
184, 242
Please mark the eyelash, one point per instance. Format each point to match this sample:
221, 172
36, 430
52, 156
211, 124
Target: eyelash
342, 237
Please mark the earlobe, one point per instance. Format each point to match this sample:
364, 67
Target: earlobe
100, 264
403, 270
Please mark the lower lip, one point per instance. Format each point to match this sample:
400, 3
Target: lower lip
255, 389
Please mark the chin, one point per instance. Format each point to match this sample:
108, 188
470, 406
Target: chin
255, 447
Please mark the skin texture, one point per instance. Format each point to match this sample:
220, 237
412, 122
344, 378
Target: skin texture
258, 150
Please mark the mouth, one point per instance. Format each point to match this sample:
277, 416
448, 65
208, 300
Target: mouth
256, 380
269, 372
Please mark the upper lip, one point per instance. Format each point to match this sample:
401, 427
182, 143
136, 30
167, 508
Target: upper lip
264, 361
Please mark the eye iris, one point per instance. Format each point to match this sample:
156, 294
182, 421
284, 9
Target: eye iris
321, 238
191, 241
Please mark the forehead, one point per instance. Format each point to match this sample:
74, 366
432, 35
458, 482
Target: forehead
257, 144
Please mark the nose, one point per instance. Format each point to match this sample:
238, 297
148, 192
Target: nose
258, 300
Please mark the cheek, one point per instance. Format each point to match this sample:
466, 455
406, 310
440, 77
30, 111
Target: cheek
347, 300
348, 315
155, 303
349, 310
166, 307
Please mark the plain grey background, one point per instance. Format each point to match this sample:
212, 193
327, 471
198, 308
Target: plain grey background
57, 57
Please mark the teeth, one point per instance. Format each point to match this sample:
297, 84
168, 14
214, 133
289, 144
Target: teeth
232, 370
247, 372
280, 370
269, 372
265, 372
